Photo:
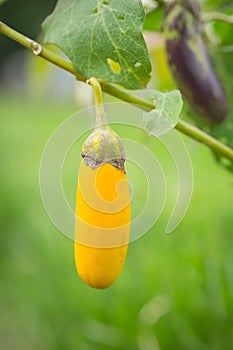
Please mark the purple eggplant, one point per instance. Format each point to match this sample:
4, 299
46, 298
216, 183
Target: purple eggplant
189, 61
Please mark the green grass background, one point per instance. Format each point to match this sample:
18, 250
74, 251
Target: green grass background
175, 291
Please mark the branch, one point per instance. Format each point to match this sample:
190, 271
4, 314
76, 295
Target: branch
217, 16
200, 136
116, 91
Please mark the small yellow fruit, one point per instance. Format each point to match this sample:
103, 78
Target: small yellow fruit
102, 222
102, 225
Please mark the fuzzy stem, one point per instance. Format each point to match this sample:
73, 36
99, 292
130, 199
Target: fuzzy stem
116, 91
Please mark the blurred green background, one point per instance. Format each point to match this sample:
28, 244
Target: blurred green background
175, 291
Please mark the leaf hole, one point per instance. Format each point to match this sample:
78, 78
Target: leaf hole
121, 18
95, 10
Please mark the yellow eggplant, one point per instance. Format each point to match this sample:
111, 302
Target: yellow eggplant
102, 224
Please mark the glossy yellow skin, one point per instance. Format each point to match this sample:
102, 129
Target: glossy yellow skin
102, 225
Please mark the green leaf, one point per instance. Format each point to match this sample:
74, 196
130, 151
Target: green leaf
165, 116
102, 38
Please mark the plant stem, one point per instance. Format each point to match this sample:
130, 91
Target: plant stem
116, 91
39, 50
125, 95
161, 3
101, 118
97, 91
200, 136
217, 16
